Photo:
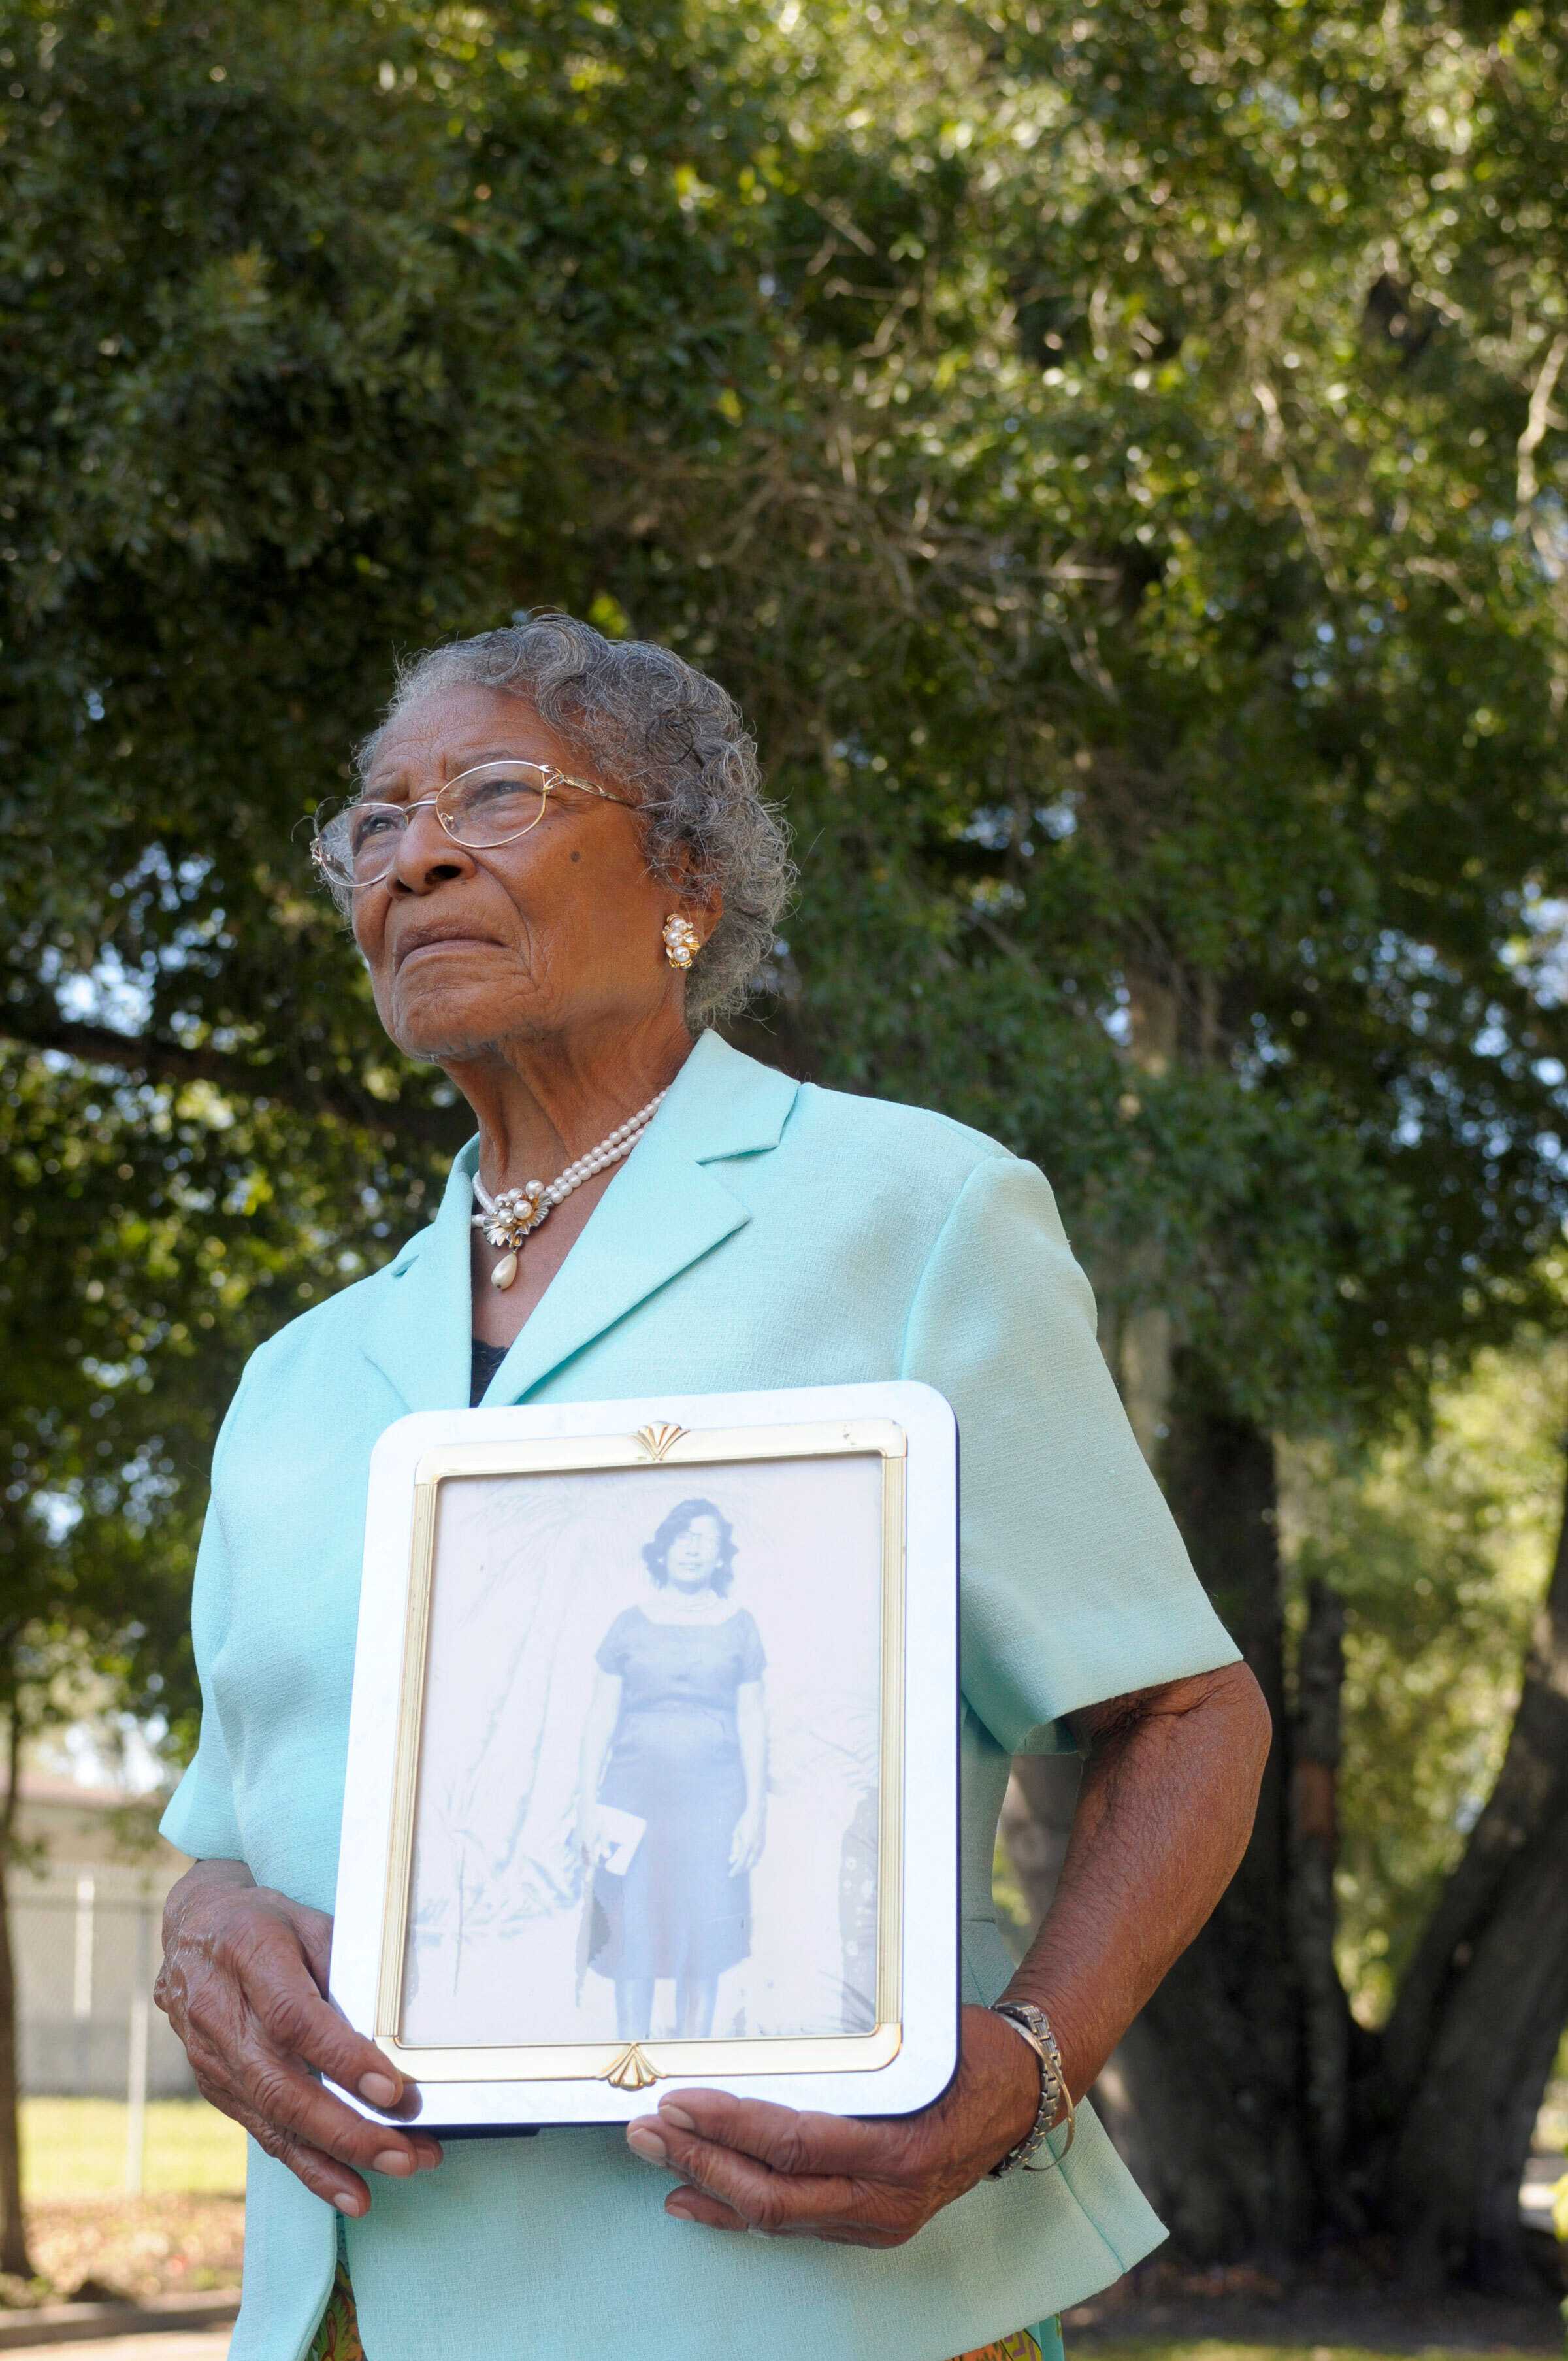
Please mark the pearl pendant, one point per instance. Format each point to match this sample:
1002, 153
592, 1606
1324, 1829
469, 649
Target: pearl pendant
505, 1270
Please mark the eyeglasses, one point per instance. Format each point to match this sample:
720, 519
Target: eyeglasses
356, 840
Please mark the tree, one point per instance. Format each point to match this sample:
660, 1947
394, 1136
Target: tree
1312, 721
1129, 502
154, 1235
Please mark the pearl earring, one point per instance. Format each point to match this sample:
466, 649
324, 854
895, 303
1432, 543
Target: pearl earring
681, 941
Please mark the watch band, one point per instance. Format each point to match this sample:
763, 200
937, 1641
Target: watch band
1032, 2025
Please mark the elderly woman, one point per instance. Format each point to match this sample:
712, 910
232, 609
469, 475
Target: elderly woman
559, 869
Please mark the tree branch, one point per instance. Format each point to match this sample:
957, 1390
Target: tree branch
410, 1122
1276, 447
13, 1780
1536, 423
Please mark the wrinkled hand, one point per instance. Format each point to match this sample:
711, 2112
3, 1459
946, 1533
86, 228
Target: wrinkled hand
243, 1984
746, 1844
745, 2163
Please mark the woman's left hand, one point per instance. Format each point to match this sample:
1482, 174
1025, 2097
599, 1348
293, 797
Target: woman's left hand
746, 1844
745, 2164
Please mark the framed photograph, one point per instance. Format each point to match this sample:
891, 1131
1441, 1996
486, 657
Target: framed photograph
653, 1768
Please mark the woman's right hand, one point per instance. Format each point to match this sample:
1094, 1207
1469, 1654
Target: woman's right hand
591, 1835
244, 1984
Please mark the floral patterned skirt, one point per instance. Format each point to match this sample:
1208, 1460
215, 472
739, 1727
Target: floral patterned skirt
338, 2338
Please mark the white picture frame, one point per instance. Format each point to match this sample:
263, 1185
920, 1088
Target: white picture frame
615, 1597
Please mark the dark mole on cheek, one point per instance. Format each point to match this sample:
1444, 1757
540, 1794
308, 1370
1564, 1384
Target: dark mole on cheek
576, 856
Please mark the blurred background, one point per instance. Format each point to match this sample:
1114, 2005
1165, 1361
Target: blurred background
1117, 454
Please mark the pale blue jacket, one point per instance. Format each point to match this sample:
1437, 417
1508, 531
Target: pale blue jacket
763, 1233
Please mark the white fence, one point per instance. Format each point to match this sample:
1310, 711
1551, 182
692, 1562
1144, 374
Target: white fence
86, 1944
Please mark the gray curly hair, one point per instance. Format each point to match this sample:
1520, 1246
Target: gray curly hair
649, 721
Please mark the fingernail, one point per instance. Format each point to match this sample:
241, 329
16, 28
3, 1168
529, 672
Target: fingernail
676, 2115
348, 2201
429, 2157
680, 2213
379, 2090
394, 2160
646, 2143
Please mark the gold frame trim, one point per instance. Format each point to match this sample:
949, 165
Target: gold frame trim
633, 2066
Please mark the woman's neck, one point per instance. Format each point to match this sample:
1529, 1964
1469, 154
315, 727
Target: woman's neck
540, 1104
672, 1606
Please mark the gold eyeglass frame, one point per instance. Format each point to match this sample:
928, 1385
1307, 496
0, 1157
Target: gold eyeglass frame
551, 777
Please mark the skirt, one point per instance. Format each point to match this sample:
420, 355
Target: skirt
338, 2338
676, 1910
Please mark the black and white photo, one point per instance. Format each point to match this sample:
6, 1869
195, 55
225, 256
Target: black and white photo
654, 1819
628, 1789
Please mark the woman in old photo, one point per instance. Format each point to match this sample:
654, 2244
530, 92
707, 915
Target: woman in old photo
676, 1737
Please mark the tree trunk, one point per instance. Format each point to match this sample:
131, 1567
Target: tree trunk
13, 2226
1463, 2062
1214, 2123
1253, 2108
1206, 2093
1314, 1843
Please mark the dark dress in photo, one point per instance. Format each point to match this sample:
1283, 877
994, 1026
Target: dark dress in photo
674, 1760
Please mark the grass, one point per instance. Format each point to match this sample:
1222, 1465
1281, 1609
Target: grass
76, 2147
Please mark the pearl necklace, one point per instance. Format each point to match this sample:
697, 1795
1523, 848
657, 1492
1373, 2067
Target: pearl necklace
507, 1219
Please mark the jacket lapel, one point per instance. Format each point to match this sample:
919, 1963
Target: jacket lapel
420, 1332
662, 1210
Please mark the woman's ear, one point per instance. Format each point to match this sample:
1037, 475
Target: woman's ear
709, 911
697, 899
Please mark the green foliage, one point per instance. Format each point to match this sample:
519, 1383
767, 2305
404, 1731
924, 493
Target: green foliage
154, 1238
1095, 455
1119, 460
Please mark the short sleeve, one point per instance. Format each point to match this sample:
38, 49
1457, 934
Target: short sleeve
754, 1660
610, 1653
201, 1817
1075, 1583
